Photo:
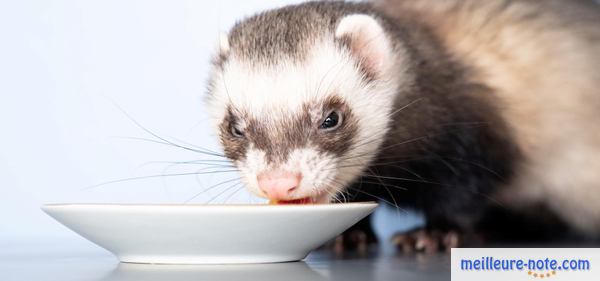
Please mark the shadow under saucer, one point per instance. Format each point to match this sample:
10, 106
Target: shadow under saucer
291, 271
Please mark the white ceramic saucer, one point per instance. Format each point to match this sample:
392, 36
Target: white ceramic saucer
209, 234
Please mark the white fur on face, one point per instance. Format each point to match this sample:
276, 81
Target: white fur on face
280, 91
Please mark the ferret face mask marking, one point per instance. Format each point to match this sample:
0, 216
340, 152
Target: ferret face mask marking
293, 150
305, 121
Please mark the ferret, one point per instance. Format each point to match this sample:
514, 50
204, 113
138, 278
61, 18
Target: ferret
483, 115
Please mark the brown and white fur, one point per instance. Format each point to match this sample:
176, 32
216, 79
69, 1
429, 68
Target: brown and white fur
452, 107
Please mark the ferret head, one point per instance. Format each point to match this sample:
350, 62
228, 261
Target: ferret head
301, 99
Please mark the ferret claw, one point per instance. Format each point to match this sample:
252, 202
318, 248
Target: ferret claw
427, 241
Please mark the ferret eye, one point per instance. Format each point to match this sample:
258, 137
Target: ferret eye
235, 131
331, 122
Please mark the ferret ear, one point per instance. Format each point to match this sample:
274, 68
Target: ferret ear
222, 50
367, 42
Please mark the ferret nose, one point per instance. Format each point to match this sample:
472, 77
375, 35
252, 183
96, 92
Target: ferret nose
278, 184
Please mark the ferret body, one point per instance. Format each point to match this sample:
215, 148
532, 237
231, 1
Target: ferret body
478, 113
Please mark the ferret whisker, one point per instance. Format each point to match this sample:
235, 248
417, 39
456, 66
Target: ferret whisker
393, 158
401, 168
232, 194
139, 125
167, 169
333, 79
176, 163
314, 190
474, 164
417, 158
226, 88
404, 107
197, 147
387, 190
349, 196
172, 144
202, 161
343, 196
349, 187
205, 165
222, 192
340, 192
318, 87
471, 123
203, 169
360, 186
437, 157
156, 176
386, 147
403, 179
335, 196
406, 142
369, 140
366, 141
487, 197
390, 185
376, 164
195, 162
210, 188
380, 199
226, 160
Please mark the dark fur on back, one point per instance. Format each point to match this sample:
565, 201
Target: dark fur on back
449, 152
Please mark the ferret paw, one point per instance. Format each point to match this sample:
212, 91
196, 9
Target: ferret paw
427, 241
355, 241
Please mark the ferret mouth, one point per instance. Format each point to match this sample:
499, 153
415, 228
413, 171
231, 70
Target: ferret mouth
318, 199
306, 200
